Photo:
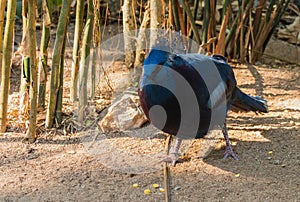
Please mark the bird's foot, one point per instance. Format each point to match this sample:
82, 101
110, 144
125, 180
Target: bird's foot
229, 152
171, 158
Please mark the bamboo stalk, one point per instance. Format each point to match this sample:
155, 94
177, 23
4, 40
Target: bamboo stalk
181, 19
45, 39
212, 19
56, 58
247, 39
96, 44
167, 174
257, 17
142, 37
84, 62
282, 9
236, 47
206, 17
6, 62
25, 79
25, 72
58, 110
155, 21
211, 25
31, 132
93, 73
270, 22
232, 30
270, 10
251, 42
171, 17
2, 11
234, 26
129, 34
196, 7
175, 15
220, 49
226, 7
192, 21
76, 48
242, 59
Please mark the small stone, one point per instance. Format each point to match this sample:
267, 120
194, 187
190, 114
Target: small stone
257, 133
32, 157
276, 162
124, 114
177, 188
71, 151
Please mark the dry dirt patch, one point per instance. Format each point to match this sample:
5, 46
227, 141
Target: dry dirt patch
57, 167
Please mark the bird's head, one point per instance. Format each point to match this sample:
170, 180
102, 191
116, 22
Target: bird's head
155, 70
157, 57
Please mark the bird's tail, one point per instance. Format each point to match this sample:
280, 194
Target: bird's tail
245, 102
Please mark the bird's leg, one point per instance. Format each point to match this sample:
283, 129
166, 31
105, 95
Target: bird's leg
229, 150
174, 153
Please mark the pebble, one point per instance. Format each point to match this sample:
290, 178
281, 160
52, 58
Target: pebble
276, 162
177, 188
292, 123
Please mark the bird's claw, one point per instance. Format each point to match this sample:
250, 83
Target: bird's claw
229, 152
171, 158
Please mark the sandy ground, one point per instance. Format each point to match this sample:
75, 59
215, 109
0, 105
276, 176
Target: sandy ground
57, 167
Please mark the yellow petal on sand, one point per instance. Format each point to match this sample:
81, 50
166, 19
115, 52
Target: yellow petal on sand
237, 175
270, 152
161, 189
135, 185
147, 191
155, 186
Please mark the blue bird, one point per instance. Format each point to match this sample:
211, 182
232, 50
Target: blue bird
187, 95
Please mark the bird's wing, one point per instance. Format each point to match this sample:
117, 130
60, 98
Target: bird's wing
217, 96
217, 76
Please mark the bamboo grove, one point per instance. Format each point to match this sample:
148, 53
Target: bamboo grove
239, 30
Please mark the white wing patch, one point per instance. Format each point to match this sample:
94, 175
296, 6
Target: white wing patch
217, 96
